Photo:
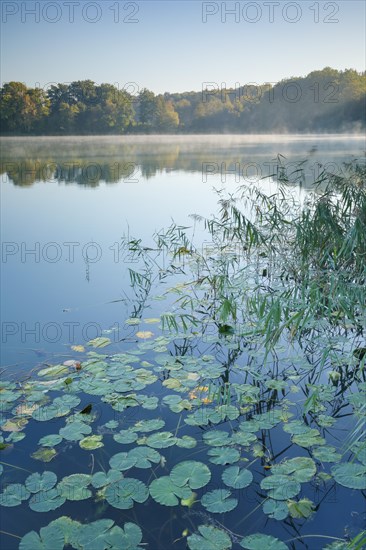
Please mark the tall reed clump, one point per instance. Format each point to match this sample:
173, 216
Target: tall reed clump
291, 264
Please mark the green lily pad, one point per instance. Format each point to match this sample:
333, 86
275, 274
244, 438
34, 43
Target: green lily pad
301, 509
126, 436
148, 425
111, 424
359, 449
268, 420
192, 473
49, 538
40, 482
100, 342
259, 542
47, 500
123, 493
15, 436
224, 455
13, 495
296, 427
43, 454
224, 412
186, 442
200, 417
140, 457
121, 461
101, 479
243, 438
144, 457
60, 406
53, 372
128, 538
50, 440
92, 442
350, 474
210, 538
161, 440
236, 477
165, 492
74, 487
280, 487
219, 501
301, 468
326, 454
217, 438
310, 438
275, 509
75, 431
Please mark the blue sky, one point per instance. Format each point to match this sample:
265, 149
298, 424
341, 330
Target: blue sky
169, 47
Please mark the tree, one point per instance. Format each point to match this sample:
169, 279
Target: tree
23, 109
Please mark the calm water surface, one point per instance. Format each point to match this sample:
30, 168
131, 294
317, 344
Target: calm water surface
66, 204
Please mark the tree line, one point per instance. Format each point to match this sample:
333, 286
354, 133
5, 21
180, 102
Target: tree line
324, 101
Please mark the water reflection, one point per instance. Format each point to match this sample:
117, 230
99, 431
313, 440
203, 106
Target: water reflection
91, 161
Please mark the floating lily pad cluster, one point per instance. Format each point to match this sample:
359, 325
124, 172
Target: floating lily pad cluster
222, 422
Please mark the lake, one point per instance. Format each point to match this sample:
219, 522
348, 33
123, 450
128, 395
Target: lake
68, 206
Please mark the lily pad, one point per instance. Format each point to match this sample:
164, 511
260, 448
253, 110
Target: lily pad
326, 454
301, 509
217, 438
186, 442
92, 442
259, 542
40, 482
47, 500
126, 436
280, 487
50, 440
53, 372
275, 509
128, 538
236, 477
210, 538
100, 342
301, 468
149, 425
13, 495
310, 438
49, 538
60, 406
192, 473
224, 455
161, 440
219, 501
44, 454
75, 431
350, 474
101, 479
123, 493
74, 487
165, 492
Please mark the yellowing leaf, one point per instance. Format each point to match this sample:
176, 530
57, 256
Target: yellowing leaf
80, 349
189, 501
25, 409
206, 400
14, 425
144, 334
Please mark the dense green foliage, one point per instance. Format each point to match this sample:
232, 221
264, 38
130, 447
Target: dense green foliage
326, 100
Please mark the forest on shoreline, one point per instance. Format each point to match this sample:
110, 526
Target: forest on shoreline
324, 101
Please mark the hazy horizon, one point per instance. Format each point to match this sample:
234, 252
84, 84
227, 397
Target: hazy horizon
177, 46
